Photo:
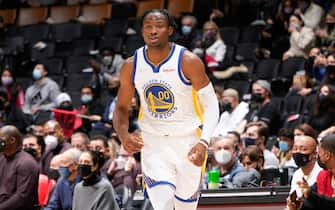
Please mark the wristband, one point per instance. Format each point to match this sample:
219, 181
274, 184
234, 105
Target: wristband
204, 142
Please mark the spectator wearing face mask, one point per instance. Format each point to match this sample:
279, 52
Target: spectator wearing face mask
15, 93
124, 170
189, 36
326, 34
323, 114
99, 143
301, 38
262, 108
226, 157
93, 192
257, 133
305, 155
66, 115
41, 95
18, 172
285, 145
106, 67
310, 13
212, 48
91, 107
35, 146
10, 112
55, 143
321, 194
62, 194
233, 114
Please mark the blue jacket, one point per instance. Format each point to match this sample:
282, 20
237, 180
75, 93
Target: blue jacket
61, 198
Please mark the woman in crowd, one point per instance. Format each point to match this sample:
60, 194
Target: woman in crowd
15, 92
93, 192
323, 115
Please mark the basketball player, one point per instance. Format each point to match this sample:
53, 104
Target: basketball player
170, 81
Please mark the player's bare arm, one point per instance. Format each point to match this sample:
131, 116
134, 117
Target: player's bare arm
131, 143
194, 69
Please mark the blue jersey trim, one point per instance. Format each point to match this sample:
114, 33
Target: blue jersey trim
156, 69
161, 183
180, 72
134, 68
190, 200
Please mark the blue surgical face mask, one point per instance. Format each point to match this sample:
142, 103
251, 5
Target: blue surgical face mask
186, 30
283, 146
64, 172
37, 74
86, 98
249, 141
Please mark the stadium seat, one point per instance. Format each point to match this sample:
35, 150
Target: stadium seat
63, 14
177, 7
115, 28
246, 52
250, 34
76, 64
96, 13
82, 47
230, 35
290, 67
8, 15
29, 16
143, 6
131, 44
90, 31
35, 33
267, 69
242, 86
13, 45
113, 43
40, 54
54, 66
65, 32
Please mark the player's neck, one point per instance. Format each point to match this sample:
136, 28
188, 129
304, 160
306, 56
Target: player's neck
158, 54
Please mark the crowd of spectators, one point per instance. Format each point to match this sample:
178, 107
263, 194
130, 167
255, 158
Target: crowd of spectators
74, 149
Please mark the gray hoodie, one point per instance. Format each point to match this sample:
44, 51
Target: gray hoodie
41, 94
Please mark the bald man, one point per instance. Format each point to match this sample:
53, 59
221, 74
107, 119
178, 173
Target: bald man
18, 172
305, 154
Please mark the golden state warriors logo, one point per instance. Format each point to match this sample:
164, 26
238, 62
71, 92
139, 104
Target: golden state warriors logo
160, 100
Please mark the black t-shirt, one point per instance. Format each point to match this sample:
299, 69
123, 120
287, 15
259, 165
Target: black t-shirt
267, 113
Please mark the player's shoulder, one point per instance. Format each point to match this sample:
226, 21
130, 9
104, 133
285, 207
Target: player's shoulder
189, 56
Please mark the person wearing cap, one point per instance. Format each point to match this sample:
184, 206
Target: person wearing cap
40, 96
233, 114
262, 108
65, 115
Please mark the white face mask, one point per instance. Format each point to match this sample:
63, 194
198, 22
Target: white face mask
222, 156
51, 141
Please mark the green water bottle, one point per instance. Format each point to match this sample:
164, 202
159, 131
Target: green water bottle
213, 179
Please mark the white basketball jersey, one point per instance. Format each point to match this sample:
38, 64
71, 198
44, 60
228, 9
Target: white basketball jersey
168, 101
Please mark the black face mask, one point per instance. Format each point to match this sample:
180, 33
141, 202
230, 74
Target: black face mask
84, 170
321, 164
53, 174
257, 97
226, 107
324, 100
3, 145
31, 151
301, 159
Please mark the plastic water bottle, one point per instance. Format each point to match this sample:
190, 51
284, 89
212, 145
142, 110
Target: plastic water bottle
213, 179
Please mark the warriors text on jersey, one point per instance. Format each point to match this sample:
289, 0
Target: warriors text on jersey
169, 104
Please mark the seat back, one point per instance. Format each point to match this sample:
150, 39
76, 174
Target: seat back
230, 35
267, 69
96, 13
143, 6
34, 15
8, 15
63, 14
177, 7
